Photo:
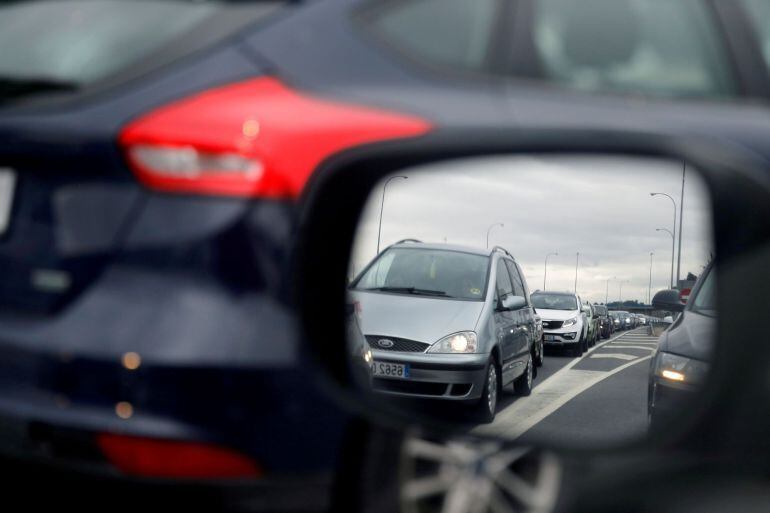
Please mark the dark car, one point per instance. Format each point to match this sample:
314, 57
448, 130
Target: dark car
682, 358
626, 319
606, 327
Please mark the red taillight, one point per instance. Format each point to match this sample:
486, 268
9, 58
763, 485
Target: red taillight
150, 457
253, 138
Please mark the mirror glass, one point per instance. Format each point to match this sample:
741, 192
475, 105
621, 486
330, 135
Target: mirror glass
516, 295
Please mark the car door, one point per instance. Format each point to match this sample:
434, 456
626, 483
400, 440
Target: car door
505, 325
524, 317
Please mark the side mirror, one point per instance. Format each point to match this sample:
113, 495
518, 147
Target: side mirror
514, 303
668, 300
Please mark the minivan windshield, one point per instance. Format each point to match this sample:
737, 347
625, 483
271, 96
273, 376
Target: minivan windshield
427, 272
554, 301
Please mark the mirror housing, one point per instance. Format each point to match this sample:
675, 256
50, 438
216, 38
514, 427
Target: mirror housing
338, 193
668, 300
513, 303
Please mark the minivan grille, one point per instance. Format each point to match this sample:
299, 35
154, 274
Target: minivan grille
398, 344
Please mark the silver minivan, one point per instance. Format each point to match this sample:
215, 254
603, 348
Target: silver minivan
447, 322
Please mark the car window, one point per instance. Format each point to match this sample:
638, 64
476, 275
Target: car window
449, 32
503, 281
518, 285
554, 301
705, 300
450, 273
79, 42
524, 283
655, 47
759, 13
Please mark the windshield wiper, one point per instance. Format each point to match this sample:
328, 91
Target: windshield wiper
14, 87
412, 290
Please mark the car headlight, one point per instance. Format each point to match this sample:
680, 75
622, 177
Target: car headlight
570, 322
679, 369
462, 342
368, 355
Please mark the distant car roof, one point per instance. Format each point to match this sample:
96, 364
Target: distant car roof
443, 247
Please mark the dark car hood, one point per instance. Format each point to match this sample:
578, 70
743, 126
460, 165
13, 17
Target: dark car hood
692, 335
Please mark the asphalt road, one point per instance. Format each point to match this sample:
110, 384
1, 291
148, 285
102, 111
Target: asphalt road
598, 398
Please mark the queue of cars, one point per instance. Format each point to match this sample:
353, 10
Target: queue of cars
458, 324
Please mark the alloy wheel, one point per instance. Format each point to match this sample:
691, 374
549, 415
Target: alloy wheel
476, 476
492, 388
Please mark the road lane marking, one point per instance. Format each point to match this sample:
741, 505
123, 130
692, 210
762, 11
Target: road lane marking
619, 356
545, 399
618, 346
549, 396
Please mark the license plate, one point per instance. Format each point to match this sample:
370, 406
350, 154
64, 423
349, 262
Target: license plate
390, 370
550, 338
7, 183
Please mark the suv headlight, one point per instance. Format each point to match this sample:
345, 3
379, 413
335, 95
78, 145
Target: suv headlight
679, 369
569, 322
462, 342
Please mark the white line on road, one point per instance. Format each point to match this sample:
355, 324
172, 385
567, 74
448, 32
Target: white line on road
548, 397
624, 346
619, 356
552, 394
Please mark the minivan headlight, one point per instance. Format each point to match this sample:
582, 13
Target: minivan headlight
569, 322
462, 342
679, 369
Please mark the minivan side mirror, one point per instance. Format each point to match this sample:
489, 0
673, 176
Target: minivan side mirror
668, 300
514, 303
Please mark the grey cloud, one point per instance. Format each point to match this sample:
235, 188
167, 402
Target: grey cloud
599, 206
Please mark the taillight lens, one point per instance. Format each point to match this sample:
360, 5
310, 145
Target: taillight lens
252, 138
150, 457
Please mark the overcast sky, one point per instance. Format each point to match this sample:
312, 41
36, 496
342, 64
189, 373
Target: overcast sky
598, 206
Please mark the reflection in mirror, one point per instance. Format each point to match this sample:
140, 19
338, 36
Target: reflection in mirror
530, 296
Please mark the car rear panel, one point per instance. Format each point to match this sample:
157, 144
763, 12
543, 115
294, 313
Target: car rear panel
93, 266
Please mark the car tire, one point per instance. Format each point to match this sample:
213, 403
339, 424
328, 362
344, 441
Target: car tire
585, 345
534, 364
487, 405
577, 349
540, 353
523, 384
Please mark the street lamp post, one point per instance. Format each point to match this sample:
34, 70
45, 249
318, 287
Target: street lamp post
577, 261
490, 229
649, 285
681, 214
382, 206
607, 289
673, 229
672, 252
545, 271
620, 292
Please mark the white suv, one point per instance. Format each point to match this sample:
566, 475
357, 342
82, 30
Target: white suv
564, 322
